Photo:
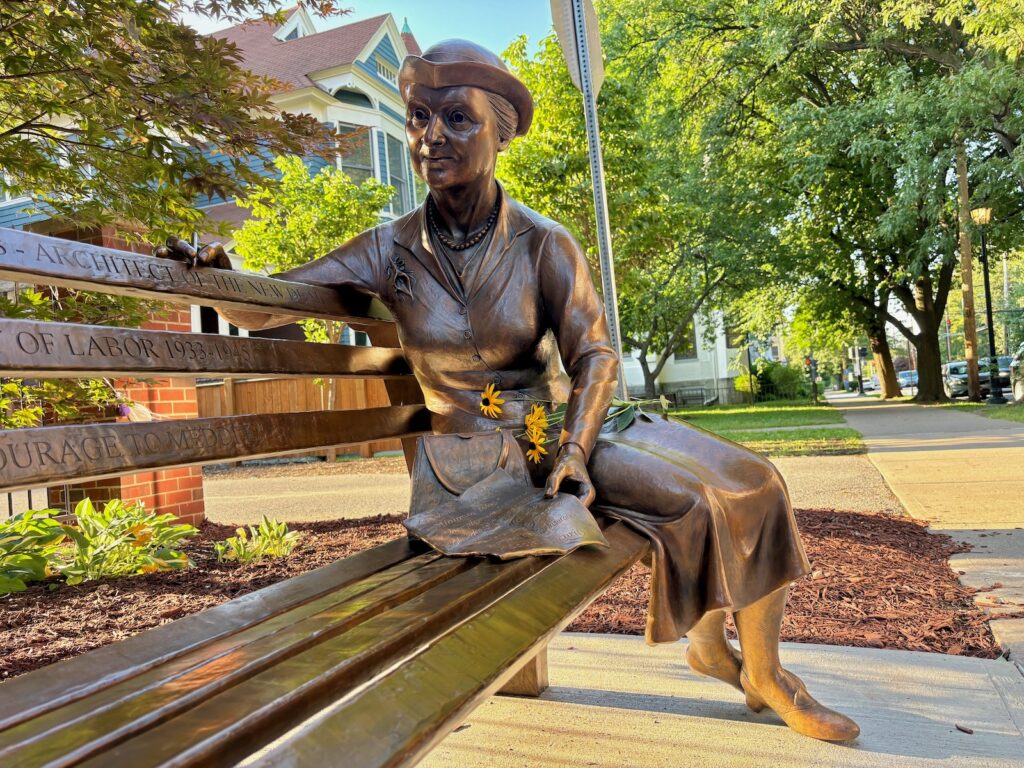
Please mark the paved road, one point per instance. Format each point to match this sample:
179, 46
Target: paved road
964, 474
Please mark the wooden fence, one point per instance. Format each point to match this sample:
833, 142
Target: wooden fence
233, 397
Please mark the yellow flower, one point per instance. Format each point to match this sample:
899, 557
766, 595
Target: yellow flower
490, 403
537, 420
536, 450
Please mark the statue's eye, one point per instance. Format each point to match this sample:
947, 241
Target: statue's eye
420, 115
458, 118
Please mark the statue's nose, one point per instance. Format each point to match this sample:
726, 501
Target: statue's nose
435, 131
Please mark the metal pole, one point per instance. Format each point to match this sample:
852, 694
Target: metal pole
995, 388
604, 241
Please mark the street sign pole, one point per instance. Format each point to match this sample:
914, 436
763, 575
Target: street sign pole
576, 25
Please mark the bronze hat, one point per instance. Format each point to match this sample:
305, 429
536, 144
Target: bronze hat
452, 63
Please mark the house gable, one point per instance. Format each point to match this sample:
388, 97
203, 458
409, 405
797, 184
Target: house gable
299, 24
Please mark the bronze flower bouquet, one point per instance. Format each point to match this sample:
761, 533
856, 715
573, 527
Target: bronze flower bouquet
543, 422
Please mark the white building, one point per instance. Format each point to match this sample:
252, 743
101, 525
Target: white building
699, 372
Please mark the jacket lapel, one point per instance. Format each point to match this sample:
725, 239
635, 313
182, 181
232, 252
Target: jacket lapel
412, 236
511, 223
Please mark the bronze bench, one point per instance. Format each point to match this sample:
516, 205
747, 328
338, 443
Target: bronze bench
369, 661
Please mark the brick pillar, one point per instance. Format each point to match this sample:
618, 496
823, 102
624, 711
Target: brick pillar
175, 491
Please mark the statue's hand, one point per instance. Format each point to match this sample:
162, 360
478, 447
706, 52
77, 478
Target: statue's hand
212, 255
571, 466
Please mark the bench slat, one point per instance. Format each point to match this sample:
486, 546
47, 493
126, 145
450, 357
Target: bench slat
396, 721
48, 455
26, 257
232, 724
30, 348
60, 684
70, 734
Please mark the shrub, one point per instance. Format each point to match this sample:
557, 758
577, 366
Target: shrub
121, 540
787, 381
269, 539
28, 545
744, 381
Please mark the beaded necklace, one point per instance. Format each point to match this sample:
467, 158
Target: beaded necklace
470, 241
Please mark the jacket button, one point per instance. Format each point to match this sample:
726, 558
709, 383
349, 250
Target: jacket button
476, 358
468, 334
463, 310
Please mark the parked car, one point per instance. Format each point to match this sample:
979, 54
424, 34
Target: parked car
1017, 375
1003, 361
907, 378
871, 384
954, 379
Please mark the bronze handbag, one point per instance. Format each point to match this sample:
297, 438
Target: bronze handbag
472, 495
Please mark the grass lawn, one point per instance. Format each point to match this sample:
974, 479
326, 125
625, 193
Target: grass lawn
785, 413
800, 442
1009, 412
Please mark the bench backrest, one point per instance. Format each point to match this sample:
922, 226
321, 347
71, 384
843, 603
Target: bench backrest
30, 349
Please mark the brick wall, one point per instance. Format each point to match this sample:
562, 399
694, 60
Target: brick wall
177, 491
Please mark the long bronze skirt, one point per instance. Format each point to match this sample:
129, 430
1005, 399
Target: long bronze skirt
722, 530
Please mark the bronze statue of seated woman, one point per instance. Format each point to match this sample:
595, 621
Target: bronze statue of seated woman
487, 293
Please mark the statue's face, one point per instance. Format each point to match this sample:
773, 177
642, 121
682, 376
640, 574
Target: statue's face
452, 135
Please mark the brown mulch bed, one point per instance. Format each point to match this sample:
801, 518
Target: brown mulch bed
878, 581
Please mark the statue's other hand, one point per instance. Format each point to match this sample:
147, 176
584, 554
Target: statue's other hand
570, 466
212, 255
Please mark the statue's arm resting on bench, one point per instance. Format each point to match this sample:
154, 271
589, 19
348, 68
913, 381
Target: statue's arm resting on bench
355, 264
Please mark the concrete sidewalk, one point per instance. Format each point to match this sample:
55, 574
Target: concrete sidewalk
615, 703
964, 474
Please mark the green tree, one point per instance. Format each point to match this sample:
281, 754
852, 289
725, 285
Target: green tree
303, 216
113, 112
852, 114
673, 260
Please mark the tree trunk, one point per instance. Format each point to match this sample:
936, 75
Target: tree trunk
887, 378
929, 367
650, 377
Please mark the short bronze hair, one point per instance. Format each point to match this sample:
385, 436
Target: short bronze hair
508, 118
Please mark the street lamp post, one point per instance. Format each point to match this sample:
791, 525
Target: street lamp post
981, 217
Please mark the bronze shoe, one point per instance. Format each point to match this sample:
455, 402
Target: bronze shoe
802, 712
726, 671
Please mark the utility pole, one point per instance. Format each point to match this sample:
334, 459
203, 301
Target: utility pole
966, 270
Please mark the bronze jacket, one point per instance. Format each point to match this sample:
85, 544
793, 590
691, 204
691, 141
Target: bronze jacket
528, 298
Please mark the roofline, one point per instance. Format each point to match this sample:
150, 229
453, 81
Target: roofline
374, 41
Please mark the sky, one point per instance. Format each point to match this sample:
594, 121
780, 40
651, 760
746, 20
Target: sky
491, 23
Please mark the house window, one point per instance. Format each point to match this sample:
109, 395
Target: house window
398, 176
355, 98
387, 72
209, 320
356, 154
293, 35
687, 349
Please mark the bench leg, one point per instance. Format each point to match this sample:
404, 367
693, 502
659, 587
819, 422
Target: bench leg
532, 677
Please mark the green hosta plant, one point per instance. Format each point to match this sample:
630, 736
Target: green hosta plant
28, 545
122, 540
269, 539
